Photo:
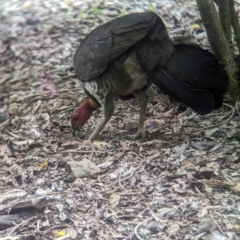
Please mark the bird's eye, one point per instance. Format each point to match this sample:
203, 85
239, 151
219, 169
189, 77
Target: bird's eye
74, 118
82, 112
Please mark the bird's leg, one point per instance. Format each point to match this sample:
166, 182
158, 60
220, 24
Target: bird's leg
142, 98
108, 109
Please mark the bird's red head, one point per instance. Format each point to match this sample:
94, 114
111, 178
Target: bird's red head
82, 113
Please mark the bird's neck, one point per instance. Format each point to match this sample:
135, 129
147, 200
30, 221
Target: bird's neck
92, 104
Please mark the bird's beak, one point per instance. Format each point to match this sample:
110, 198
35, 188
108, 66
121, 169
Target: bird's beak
73, 132
76, 129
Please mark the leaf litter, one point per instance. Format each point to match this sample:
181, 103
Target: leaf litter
182, 182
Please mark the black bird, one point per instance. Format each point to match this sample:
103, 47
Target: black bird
126, 55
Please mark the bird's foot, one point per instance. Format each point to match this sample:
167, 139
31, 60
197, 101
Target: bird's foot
138, 135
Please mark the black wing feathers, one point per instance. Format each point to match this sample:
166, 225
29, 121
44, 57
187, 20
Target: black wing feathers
109, 41
194, 77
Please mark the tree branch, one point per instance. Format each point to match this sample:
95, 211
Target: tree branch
224, 16
235, 23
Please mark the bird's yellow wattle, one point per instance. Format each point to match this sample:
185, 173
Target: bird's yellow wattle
92, 103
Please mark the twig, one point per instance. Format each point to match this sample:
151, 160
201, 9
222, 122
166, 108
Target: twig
83, 151
13, 135
54, 227
154, 142
38, 226
33, 92
20, 225
119, 181
201, 235
154, 216
217, 226
169, 210
17, 79
122, 193
137, 227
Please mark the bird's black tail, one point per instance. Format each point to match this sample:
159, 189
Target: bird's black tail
194, 77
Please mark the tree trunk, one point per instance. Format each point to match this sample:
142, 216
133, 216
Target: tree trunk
235, 23
219, 43
224, 15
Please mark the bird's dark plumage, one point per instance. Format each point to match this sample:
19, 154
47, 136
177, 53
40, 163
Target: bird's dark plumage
124, 56
109, 63
108, 41
194, 77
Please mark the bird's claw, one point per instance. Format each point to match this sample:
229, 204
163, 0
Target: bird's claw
138, 135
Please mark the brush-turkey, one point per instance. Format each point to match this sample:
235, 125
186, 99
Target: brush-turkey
126, 55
